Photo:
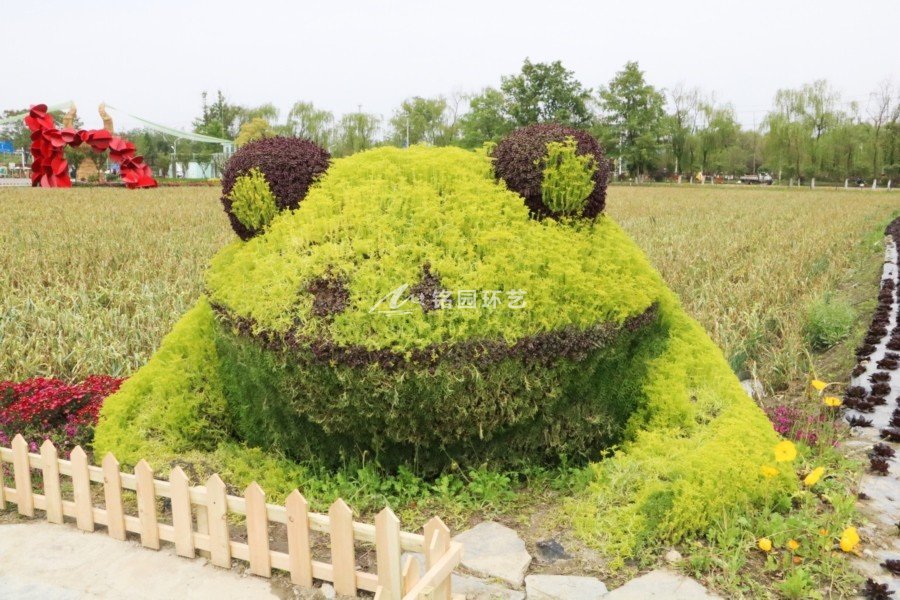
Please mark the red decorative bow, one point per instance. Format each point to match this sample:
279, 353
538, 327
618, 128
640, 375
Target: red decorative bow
49, 167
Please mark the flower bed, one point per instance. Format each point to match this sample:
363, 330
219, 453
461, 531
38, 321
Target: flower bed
42, 408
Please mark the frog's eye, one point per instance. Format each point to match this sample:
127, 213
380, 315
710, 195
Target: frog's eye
266, 177
559, 171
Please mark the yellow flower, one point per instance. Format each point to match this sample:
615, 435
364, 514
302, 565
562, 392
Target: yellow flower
818, 384
768, 472
814, 476
849, 539
797, 560
765, 544
793, 545
831, 401
785, 451
823, 532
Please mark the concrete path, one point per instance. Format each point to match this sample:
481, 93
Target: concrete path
40, 561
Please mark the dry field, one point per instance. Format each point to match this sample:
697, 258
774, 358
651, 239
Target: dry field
92, 279
748, 262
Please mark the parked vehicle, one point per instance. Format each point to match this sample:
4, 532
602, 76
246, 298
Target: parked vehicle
756, 179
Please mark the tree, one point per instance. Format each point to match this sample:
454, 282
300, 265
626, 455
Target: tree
717, 134
633, 112
682, 125
486, 120
880, 108
355, 132
891, 145
424, 120
256, 129
544, 92
220, 119
306, 121
820, 103
788, 131
267, 112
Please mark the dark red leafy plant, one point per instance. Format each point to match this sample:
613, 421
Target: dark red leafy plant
51, 409
873, 590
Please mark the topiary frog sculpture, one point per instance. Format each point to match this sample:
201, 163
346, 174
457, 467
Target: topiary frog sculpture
433, 307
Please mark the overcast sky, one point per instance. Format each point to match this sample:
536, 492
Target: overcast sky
153, 59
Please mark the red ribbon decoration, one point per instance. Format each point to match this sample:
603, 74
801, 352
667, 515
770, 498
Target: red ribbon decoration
49, 167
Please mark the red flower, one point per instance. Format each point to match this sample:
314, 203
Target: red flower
97, 139
38, 118
71, 137
49, 167
120, 149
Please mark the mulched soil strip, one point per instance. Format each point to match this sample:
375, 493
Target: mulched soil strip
872, 398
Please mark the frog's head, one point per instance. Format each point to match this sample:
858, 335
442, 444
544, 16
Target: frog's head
327, 244
465, 287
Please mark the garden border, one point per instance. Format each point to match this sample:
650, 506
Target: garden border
200, 522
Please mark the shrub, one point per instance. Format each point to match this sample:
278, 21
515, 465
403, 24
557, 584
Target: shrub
555, 377
252, 201
376, 218
290, 166
601, 354
828, 321
42, 409
568, 178
520, 160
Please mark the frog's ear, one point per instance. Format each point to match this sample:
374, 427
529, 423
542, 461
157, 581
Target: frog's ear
268, 176
559, 171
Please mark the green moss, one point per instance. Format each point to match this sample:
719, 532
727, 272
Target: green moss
252, 201
376, 217
568, 178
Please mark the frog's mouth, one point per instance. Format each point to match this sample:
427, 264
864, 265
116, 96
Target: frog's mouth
544, 348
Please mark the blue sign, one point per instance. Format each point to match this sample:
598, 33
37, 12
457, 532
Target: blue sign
6, 147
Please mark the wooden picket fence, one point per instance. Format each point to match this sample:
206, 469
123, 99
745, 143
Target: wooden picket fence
200, 523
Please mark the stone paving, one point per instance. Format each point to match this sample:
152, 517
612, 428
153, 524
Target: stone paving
43, 561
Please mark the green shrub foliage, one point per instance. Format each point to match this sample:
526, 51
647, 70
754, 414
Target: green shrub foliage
520, 161
304, 355
252, 201
568, 178
377, 218
289, 165
828, 321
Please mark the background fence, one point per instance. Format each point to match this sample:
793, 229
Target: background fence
200, 522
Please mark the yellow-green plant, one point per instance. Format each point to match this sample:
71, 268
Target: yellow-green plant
568, 177
253, 202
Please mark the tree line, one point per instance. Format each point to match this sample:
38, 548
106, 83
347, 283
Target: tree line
647, 131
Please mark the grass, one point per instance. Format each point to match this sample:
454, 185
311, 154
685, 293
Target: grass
94, 278
748, 262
